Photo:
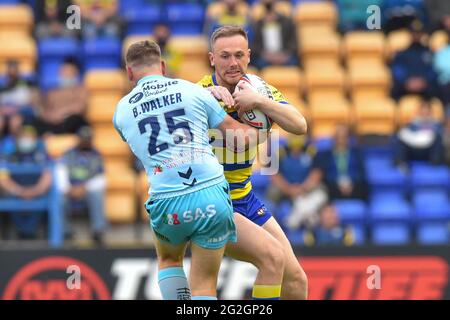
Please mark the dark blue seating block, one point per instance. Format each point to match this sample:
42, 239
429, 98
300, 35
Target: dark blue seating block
385, 178
390, 210
58, 48
428, 176
185, 19
141, 20
431, 205
260, 182
295, 237
391, 234
283, 211
359, 233
433, 233
351, 210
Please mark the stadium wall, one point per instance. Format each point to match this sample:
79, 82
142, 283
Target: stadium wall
334, 273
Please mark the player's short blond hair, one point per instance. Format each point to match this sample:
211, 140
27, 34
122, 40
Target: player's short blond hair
227, 31
143, 53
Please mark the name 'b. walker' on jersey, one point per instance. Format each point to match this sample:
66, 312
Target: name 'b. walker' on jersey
238, 168
164, 121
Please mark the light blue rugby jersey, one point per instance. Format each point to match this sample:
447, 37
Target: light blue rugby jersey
165, 122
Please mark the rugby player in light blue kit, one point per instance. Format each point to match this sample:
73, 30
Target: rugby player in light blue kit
165, 122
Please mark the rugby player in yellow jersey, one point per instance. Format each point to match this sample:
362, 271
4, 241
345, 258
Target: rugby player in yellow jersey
230, 57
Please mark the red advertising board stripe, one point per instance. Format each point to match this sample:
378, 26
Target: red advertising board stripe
353, 278
52, 263
420, 263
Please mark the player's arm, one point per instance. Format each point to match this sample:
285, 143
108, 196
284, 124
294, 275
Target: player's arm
233, 132
237, 134
286, 115
116, 126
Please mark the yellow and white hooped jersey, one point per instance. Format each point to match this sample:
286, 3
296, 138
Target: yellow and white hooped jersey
237, 165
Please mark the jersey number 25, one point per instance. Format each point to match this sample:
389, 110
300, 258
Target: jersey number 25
185, 136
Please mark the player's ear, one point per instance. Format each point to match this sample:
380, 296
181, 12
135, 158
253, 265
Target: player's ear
249, 54
130, 73
163, 67
211, 58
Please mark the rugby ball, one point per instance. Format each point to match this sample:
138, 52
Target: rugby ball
255, 117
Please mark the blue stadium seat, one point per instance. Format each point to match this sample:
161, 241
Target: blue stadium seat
433, 233
351, 210
16, 204
383, 176
359, 231
141, 20
125, 5
260, 182
431, 206
390, 210
391, 234
48, 75
295, 237
9, 2
2, 81
376, 162
323, 144
56, 49
185, 18
425, 176
283, 211
387, 195
52, 52
378, 151
102, 53
33, 5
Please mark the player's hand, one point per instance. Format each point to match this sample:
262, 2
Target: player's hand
246, 98
222, 94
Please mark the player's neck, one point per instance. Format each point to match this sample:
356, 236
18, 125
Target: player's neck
147, 73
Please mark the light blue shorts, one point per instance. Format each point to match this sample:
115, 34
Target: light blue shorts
204, 217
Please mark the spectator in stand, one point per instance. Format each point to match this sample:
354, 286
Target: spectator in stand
27, 150
275, 40
63, 107
442, 67
412, 68
51, 17
438, 13
162, 34
420, 140
297, 182
399, 14
226, 12
446, 140
99, 18
82, 180
17, 99
342, 167
330, 231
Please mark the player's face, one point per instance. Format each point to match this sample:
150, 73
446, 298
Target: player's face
230, 58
